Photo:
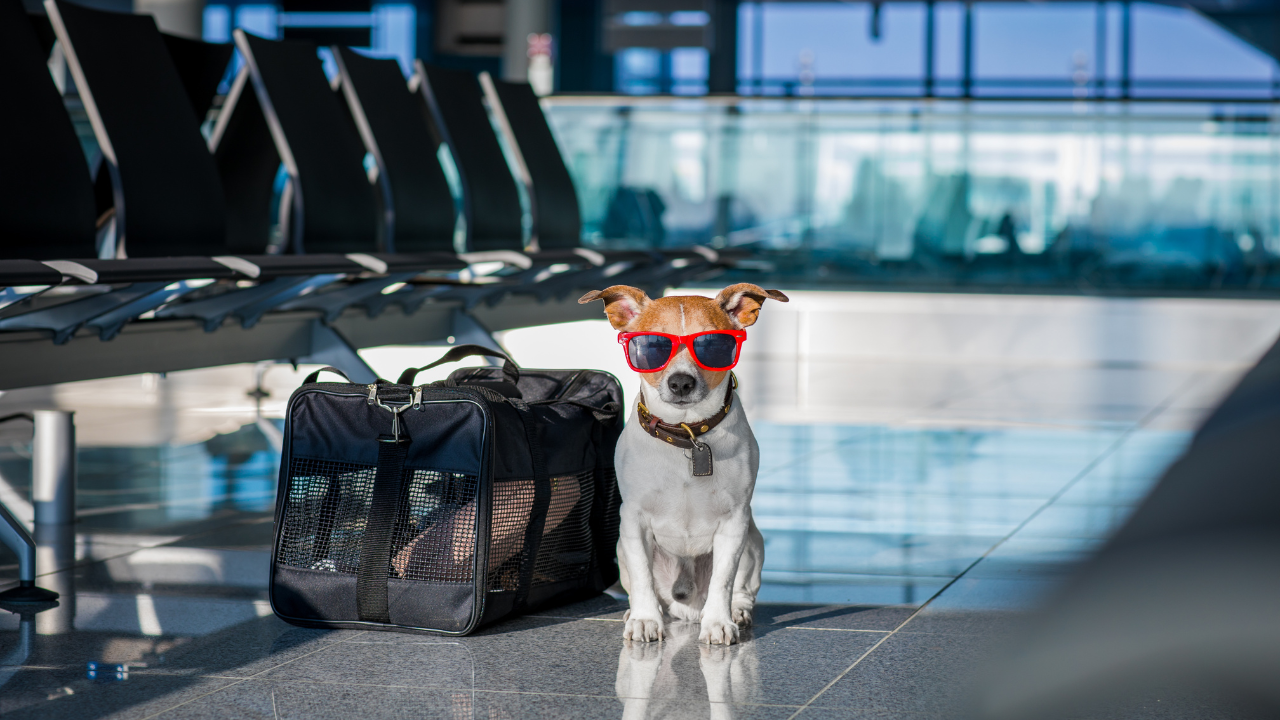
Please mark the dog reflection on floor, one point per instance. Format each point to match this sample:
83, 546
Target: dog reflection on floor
658, 680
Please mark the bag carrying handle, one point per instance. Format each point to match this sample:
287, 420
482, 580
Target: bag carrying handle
316, 375
510, 371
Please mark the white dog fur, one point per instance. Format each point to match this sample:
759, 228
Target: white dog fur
689, 548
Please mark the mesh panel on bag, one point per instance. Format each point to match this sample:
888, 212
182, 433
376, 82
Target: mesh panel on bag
565, 551
325, 512
324, 517
436, 537
512, 508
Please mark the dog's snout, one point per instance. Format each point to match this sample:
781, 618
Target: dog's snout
681, 384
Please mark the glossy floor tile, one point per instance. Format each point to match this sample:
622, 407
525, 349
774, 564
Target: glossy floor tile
913, 510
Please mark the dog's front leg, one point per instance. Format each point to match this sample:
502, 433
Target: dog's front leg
718, 627
644, 619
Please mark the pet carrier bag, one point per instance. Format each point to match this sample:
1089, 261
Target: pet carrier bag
446, 506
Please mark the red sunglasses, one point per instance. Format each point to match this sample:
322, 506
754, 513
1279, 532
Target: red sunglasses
713, 350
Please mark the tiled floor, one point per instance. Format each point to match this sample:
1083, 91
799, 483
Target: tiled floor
900, 552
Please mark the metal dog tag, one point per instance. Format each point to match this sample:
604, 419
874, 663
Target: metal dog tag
702, 461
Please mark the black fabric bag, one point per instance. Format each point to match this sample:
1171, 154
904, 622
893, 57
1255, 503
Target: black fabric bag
448, 506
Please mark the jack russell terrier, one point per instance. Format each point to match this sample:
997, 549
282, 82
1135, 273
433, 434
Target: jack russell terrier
687, 462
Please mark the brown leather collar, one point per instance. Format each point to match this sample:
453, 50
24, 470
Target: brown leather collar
682, 434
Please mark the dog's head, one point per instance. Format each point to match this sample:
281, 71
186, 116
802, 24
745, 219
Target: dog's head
683, 383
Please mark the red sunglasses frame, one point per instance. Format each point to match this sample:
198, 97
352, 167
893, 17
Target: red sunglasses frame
687, 341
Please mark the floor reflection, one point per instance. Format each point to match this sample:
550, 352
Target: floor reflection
658, 680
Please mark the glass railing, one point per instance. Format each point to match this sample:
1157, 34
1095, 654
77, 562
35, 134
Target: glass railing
1015, 196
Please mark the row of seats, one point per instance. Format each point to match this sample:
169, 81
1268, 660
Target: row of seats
172, 208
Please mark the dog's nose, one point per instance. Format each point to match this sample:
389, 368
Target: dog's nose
681, 384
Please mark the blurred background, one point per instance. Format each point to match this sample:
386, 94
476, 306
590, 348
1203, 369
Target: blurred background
1056, 146
1030, 246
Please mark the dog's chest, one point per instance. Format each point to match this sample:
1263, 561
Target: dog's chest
657, 481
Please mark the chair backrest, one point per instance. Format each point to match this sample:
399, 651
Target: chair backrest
490, 199
248, 163
44, 31
557, 219
168, 198
200, 66
46, 200
417, 204
334, 206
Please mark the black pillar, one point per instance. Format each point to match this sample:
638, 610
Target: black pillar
581, 63
966, 80
722, 75
1126, 49
1100, 52
928, 48
426, 30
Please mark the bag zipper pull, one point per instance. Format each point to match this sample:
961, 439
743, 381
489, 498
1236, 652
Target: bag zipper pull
373, 394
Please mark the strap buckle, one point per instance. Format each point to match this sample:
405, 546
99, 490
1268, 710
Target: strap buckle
395, 410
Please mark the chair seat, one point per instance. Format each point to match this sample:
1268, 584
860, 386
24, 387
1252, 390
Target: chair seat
157, 269
577, 255
27, 272
322, 263
403, 262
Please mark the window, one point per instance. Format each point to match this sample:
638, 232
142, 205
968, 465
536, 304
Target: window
1035, 49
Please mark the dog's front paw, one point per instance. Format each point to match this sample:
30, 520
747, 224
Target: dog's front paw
718, 631
742, 615
642, 629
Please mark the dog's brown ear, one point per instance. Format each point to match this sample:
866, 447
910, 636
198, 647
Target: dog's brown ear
622, 303
742, 302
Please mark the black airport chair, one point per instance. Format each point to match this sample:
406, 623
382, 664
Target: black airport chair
332, 205
44, 31
47, 207
166, 192
281, 277
168, 214
557, 222
200, 67
556, 215
418, 206
47, 212
283, 96
167, 197
491, 200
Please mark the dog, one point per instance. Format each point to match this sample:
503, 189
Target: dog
688, 546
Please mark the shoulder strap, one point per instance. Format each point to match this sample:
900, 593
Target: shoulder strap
541, 502
375, 550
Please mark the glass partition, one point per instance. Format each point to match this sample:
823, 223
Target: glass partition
1072, 196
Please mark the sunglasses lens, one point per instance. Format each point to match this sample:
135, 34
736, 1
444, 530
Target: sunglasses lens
716, 350
648, 352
